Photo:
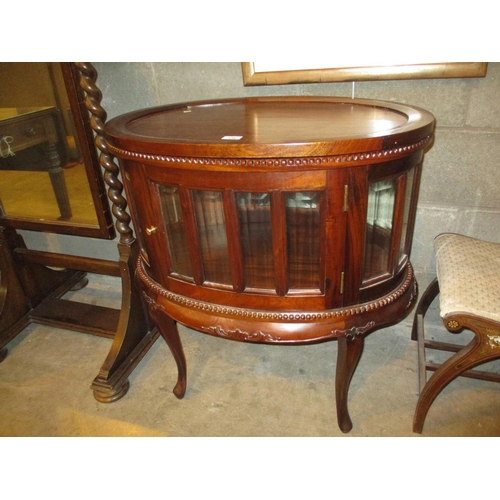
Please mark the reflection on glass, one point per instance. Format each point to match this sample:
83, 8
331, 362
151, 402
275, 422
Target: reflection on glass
303, 239
210, 221
381, 197
254, 214
409, 188
176, 232
42, 173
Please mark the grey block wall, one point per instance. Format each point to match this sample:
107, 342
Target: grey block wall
460, 189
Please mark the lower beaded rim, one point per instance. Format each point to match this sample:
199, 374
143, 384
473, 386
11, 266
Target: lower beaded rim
252, 325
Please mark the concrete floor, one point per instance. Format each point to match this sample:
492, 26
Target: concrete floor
234, 389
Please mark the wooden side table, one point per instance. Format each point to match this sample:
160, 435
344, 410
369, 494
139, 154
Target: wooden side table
280, 220
33, 139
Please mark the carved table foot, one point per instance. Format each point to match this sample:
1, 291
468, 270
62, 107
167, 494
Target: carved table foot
111, 394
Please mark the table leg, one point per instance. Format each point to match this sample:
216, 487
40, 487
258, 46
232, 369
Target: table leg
58, 181
15, 304
350, 349
168, 330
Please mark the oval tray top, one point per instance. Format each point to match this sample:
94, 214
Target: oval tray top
269, 127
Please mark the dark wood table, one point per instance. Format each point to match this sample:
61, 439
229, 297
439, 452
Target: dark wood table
32, 139
281, 220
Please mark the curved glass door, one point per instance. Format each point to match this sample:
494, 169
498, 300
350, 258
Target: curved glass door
404, 249
212, 236
303, 240
270, 243
173, 220
379, 229
254, 217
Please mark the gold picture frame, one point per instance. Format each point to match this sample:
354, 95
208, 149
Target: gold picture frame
252, 75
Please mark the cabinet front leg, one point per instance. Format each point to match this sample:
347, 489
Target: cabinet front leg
168, 330
350, 349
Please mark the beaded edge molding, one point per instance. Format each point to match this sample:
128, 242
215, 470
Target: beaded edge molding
274, 162
269, 315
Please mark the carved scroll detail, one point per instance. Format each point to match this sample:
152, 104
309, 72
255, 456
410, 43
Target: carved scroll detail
353, 332
152, 304
413, 296
238, 334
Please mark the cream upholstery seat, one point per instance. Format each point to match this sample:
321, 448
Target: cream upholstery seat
468, 281
468, 272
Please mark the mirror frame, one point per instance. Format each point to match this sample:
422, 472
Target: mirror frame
295, 73
76, 88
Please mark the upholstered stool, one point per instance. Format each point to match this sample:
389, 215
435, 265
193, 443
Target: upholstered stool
468, 281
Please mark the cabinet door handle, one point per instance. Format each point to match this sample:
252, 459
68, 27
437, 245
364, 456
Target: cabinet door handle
151, 230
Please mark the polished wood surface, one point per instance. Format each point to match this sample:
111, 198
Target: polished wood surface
281, 220
259, 126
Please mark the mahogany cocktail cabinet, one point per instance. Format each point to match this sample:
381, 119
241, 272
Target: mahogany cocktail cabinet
280, 220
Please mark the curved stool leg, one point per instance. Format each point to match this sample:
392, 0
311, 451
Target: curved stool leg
478, 351
349, 353
425, 301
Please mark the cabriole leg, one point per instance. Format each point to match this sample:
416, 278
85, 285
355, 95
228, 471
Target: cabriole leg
350, 349
168, 330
